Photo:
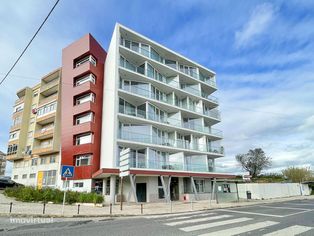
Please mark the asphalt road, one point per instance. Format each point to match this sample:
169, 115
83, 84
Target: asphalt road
288, 218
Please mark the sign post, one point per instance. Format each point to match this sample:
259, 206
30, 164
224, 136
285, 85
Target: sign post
124, 170
66, 172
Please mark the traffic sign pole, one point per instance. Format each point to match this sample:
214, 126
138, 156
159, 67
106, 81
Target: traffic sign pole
64, 194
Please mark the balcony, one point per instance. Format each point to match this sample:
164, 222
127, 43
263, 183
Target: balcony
152, 54
48, 99
44, 133
50, 87
46, 118
169, 82
18, 101
170, 121
167, 142
15, 127
145, 92
43, 150
13, 157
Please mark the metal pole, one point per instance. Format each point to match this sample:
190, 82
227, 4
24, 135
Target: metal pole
237, 191
191, 201
142, 208
11, 203
44, 208
78, 209
110, 208
121, 194
64, 194
170, 206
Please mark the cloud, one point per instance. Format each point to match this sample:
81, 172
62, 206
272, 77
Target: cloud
258, 23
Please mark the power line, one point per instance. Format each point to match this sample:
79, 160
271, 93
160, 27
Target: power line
17, 60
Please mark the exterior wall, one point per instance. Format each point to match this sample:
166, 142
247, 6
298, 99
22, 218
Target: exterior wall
272, 190
2, 163
83, 47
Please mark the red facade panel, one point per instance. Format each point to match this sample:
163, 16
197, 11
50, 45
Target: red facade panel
85, 46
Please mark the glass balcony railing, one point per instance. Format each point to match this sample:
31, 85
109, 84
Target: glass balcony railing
156, 57
145, 92
142, 163
169, 121
163, 141
168, 81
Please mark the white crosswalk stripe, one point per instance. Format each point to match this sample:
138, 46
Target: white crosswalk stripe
188, 217
292, 230
214, 224
171, 215
241, 229
197, 220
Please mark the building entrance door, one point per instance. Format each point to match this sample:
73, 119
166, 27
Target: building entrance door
174, 189
141, 192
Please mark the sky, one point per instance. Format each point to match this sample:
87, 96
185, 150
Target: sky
262, 52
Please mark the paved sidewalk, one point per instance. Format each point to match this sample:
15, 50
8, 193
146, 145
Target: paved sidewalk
89, 210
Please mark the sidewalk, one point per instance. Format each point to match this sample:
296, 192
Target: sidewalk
89, 210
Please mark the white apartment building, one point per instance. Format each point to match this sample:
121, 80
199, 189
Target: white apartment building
160, 105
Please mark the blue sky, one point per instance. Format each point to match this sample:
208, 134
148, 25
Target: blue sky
262, 52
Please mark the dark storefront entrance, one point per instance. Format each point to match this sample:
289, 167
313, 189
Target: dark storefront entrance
141, 192
174, 189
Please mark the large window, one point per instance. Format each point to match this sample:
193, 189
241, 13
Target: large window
200, 185
12, 149
83, 138
84, 79
49, 177
83, 160
47, 109
18, 108
14, 135
34, 162
83, 118
90, 97
17, 120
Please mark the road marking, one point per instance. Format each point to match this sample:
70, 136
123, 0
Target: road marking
251, 213
299, 204
197, 220
241, 229
214, 224
292, 214
292, 230
188, 217
170, 215
289, 208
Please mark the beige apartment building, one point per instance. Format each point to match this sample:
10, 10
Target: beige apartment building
2, 163
34, 141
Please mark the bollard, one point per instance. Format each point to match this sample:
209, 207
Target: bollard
110, 208
142, 208
11, 203
78, 209
191, 204
44, 208
170, 206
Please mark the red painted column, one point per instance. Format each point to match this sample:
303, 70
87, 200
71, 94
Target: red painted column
85, 46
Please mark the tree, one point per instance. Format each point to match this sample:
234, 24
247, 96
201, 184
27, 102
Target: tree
297, 175
254, 161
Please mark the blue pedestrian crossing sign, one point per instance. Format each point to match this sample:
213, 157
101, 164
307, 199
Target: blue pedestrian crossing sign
67, 171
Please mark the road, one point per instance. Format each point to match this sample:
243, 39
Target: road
285, 218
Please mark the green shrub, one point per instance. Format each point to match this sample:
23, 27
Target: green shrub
30, 194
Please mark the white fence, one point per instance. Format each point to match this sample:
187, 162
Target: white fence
272, 190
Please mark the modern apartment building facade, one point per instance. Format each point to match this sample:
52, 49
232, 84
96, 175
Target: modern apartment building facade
34, 140
140, 100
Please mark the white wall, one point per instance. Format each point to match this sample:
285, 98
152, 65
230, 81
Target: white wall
272, 190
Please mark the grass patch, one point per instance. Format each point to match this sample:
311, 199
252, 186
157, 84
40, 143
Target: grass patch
31, 194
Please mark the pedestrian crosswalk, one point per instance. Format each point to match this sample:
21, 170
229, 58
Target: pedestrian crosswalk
215, 223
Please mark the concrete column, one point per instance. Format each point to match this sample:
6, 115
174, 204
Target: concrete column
113, 180
104, 186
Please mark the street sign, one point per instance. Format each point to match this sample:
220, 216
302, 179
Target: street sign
125, 173
125, 162
67, 171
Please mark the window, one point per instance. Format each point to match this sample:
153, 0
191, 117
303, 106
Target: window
86, 117
52, 159
84, 79
35, 94
24, 176
171, 63
49, 177
30, 134
83, 138
161, 193
47, 109
78, 185
84, 60
83, 160
18, 108
15, 177
90, 97
200, 185
12, 149
17, 120
34, 162
32, 176
14, 135
42, 160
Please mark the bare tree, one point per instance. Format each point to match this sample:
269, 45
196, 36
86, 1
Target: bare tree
254, 161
